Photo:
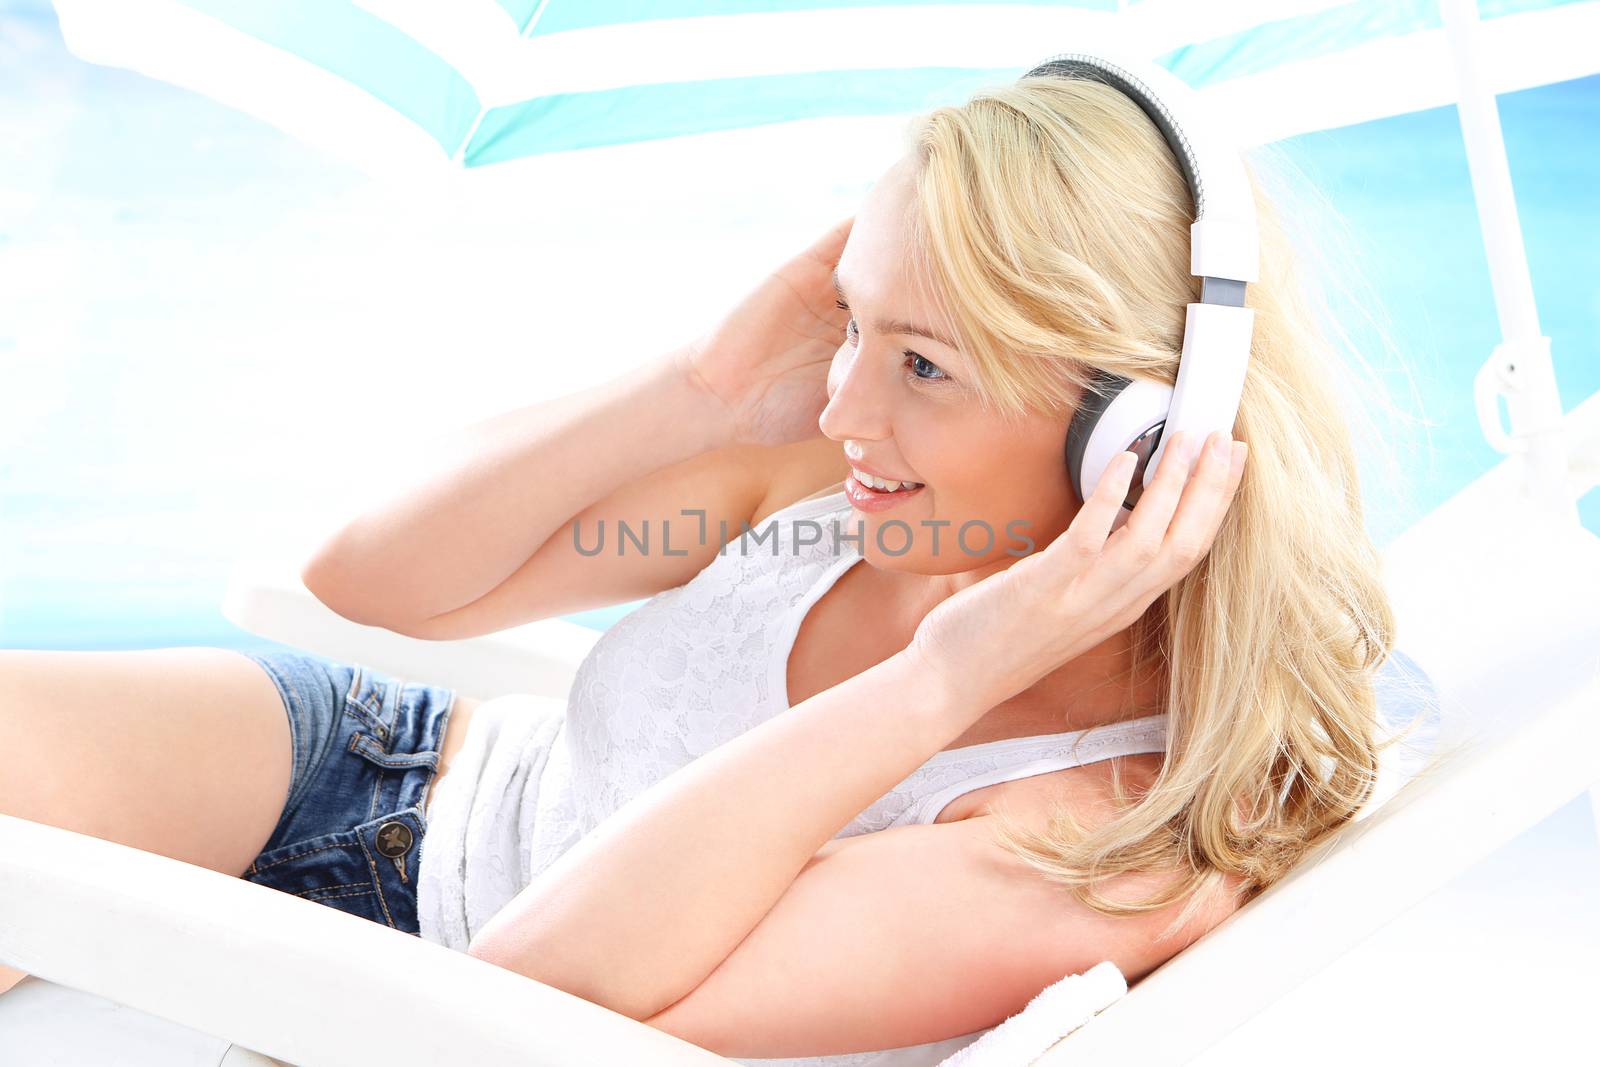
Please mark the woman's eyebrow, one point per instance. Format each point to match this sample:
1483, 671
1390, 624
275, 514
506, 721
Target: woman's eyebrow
898, 325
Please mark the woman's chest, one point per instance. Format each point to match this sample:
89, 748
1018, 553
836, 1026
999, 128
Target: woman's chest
844, 632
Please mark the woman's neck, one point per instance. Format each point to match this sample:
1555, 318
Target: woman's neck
1095, 688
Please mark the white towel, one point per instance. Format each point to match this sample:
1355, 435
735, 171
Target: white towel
1051, 1015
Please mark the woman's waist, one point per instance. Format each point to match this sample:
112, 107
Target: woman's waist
472, 716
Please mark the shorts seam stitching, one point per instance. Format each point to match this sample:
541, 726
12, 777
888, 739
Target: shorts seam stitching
254, 867
341, 885
295, 711
333, 896
377, 882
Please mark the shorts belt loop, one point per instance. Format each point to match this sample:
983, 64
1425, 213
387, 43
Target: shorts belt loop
389, 708
357, 673
377, 698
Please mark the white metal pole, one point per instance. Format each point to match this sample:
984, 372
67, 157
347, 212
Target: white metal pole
1519, 369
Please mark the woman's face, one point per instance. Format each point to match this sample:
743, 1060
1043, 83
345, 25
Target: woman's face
901, 404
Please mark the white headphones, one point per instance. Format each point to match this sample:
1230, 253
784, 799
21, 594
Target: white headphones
1119, 414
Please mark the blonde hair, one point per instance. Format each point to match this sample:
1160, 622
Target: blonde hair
1057, 212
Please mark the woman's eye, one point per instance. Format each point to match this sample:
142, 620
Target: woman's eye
842, 306
915, 360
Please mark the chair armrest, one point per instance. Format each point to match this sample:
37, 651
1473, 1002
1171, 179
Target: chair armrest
266, 597
259, 967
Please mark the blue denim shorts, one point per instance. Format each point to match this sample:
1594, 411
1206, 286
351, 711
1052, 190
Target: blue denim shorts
366, 746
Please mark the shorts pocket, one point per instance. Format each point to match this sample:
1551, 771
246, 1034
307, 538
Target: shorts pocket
369, 870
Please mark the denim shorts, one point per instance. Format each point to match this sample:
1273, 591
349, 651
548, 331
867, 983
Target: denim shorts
366, 746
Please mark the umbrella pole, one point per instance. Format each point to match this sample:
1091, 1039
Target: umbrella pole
1519, 369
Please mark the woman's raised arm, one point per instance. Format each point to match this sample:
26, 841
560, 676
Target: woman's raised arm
502, 487
461, 551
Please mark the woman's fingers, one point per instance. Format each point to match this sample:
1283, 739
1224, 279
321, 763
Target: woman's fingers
1146, 528
1206, 501
1087, 532
1170, 528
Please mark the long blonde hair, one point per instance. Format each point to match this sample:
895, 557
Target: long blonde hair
1058, 214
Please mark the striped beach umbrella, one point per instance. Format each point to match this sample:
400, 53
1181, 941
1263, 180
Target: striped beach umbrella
395, 85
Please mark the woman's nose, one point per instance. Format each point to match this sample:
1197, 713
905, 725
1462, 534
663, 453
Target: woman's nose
858, 404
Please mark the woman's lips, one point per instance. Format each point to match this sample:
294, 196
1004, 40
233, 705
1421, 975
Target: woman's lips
865, 498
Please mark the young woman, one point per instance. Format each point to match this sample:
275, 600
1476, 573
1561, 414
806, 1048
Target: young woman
797, 806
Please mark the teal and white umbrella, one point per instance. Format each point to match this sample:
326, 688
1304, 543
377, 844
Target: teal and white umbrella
407, 83
400, 87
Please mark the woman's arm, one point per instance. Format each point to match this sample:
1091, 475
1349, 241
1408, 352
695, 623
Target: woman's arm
756, 381
641, 911
499, 489
637, 914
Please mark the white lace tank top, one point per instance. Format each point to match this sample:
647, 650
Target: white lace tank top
689, 669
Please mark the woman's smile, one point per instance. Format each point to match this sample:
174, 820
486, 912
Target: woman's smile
867, 497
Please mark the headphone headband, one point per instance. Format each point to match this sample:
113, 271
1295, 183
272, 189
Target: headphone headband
1139, 416
1207, 156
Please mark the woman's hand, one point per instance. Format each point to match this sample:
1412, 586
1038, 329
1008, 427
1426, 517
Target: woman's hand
767, 361
999, 636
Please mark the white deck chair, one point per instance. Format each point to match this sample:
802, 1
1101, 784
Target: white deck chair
137, 958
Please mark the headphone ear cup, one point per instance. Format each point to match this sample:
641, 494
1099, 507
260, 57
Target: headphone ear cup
1143, 413
1103, 389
